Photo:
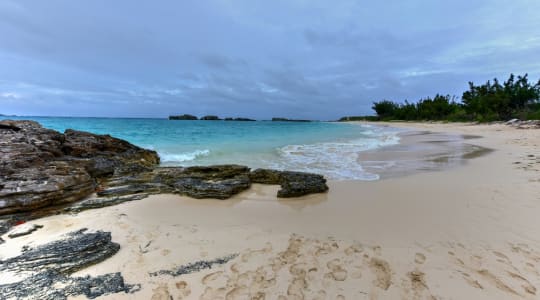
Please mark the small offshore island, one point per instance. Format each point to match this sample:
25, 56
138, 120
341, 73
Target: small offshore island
188, 117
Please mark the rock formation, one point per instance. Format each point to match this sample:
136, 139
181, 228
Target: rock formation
293, 184
183, 117
41, 167
43, 171
47, 269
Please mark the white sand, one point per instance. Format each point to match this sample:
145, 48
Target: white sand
470, 232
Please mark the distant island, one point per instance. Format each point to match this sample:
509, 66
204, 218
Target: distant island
288, 120
210, 118
183, 117
239, 119
206, 118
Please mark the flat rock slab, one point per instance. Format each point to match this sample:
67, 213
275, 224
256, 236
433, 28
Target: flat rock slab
77, 251
47, 269
23, 229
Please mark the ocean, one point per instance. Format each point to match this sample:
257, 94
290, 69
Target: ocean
327, 148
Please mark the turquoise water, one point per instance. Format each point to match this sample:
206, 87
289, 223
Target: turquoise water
322, 147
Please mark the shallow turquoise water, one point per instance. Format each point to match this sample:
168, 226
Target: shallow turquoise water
323, 147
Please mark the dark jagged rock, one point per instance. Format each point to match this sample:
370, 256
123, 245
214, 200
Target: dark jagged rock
222, 189
183, 117
293, 184
77, 251
220, 182
9, 127
196, 266
49, 266
266, 176
42, 286
217, 172
149, 188
41, 167
93, 203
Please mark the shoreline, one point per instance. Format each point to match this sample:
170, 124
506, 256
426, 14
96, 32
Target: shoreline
466, 232
419, 151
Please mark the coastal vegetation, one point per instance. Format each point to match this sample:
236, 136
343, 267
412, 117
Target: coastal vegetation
516, 97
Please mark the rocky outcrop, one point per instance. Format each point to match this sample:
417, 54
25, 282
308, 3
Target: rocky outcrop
48, 267
183, 117
77, 251
41, 167
51, 285
219, 182
293, 184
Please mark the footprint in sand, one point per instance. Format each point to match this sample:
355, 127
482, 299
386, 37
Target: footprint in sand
213, 293
525, 284
211, 277
237, 293
471, 281
383, 273
337, 272
326, 248
419, 258
250, 253
488, 276
161, 293
296, 288
354, 249
184, 289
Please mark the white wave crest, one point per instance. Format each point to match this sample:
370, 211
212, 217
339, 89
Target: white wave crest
182, 157
336, 160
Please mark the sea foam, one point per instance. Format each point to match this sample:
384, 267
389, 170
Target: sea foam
182, 157
336, 160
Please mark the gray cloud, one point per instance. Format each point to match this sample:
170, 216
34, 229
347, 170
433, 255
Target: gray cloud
292, 58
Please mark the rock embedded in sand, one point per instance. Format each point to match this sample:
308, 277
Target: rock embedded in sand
78, 250
23, 229
293, 184
48, 267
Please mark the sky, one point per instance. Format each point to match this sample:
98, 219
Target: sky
309, 59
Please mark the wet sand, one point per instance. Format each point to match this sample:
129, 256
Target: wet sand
470, 231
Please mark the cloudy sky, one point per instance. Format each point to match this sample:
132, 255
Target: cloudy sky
292, 58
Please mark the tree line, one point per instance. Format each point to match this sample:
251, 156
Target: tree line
492, 101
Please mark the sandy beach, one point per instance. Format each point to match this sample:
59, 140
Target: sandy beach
469, 231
